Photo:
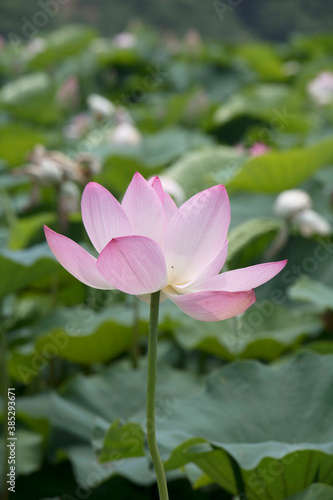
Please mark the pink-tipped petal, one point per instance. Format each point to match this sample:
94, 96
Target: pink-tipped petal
242, 279
133, 264
213, 306
196, 234
76, 260
170, 207
144, 209
103, 216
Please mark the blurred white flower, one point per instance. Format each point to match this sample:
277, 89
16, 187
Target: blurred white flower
321, 88
125, 134
124, 40
100, 106
310, 222
291, 202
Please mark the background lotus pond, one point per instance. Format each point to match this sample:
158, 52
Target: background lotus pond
244, 406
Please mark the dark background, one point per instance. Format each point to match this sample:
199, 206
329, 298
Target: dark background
235, 20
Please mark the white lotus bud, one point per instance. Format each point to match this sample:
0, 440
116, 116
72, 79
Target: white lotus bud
291, 202
310, 222
321, 88
100, 106
125, 134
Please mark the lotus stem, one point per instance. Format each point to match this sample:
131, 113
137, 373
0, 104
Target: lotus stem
151, 391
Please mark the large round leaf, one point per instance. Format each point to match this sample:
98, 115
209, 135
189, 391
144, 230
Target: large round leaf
22, 267
198, 170
31, 97
274, 421
315, 492
280, 170
264, 331
86, 403
16, 141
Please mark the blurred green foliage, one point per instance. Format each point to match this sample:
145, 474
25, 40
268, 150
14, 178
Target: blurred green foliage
253, 393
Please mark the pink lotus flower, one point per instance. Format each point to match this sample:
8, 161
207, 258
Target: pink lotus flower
147, 244
259, 148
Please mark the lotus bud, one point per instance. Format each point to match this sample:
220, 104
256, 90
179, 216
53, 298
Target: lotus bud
310, 222
125, 134
100, 106
290, 203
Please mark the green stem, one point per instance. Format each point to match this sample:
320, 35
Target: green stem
135, 347
151, 389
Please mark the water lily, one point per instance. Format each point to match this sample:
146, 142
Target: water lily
146, 244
